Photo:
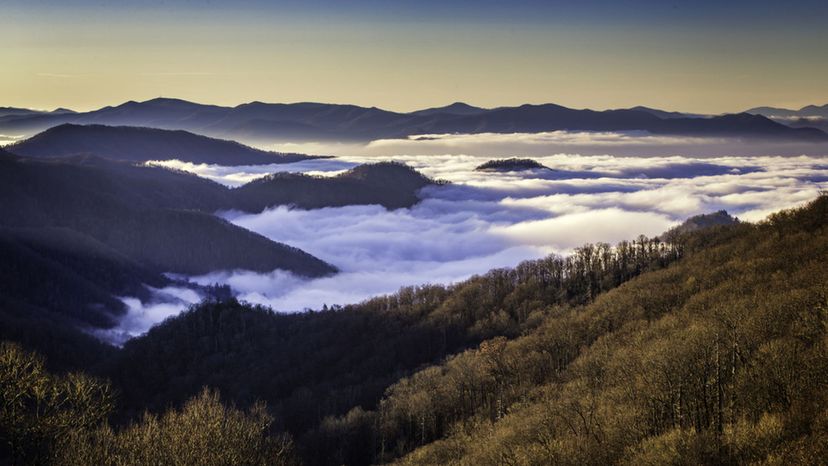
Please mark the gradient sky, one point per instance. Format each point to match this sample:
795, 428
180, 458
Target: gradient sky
701, 56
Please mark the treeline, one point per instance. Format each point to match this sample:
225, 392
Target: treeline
62, 419
311, 365
719, 359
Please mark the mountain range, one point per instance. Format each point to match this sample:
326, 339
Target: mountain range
137, 144
813, 116
258, 121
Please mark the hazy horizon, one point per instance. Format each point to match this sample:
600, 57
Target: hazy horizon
701, 58
406, 110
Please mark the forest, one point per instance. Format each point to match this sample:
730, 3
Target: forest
707, 345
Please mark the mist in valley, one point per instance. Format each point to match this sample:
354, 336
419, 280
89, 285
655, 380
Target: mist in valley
603, 187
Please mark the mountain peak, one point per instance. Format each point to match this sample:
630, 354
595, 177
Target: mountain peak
455, 108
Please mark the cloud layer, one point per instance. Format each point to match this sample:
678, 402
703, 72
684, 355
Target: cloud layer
630, 144
239, 175
485, 220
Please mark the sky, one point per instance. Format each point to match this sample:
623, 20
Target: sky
702, 56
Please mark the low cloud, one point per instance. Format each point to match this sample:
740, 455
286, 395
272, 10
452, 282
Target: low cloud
239, 175
165, 302
485, 220
626, 144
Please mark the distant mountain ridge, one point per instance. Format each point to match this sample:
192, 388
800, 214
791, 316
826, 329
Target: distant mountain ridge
14, 111
457, 108
806, 111
137, 144
665, 114
317, 121
809, 116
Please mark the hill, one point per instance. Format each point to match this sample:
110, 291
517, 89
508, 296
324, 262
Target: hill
699, 222
153, 216
137, 144
685, 350
317, 121
511, 165
391, 185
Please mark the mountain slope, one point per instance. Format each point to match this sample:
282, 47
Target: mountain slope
638, 362
388, 184
711, 350
348, 357
137, 144
70, 274
720, 359
142, 217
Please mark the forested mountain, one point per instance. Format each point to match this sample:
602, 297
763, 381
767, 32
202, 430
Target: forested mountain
136, 144
69, 273
37, 183
160, 222
708, 350
720, 359
317, 121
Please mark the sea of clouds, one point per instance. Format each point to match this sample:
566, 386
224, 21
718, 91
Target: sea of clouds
485, 220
